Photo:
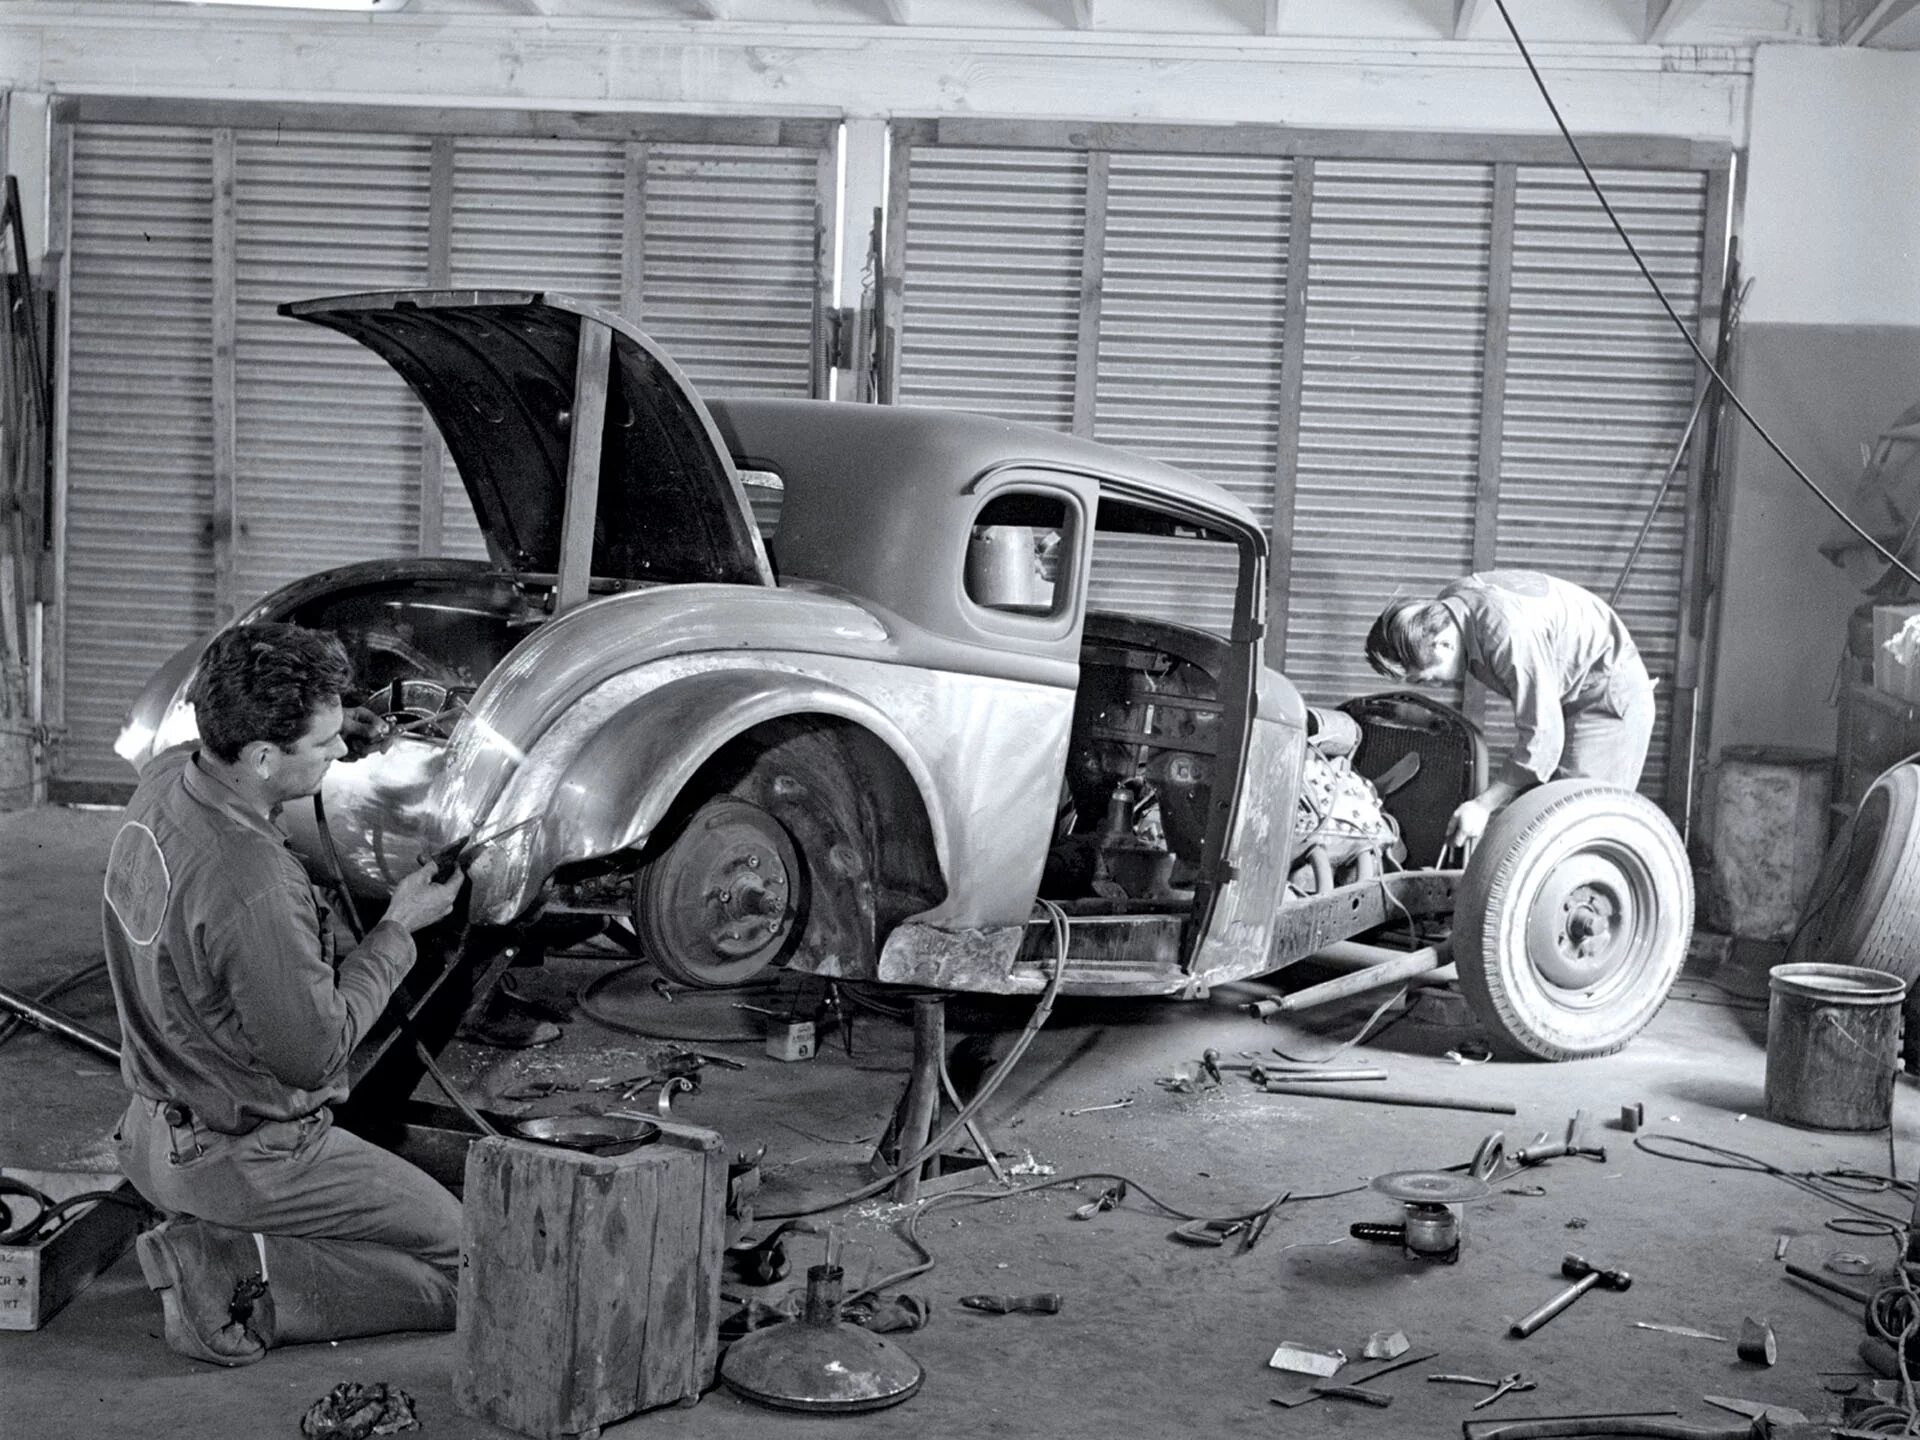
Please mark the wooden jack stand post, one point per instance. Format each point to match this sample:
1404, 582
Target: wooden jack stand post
914, 1118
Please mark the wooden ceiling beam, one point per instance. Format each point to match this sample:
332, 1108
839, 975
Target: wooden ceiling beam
1080, 14
1664, 17
1465, 12
1276, 15
898, 12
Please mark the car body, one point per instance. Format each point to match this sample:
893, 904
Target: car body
866, 748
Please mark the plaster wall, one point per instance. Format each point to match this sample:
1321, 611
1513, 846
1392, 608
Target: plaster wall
1830, 353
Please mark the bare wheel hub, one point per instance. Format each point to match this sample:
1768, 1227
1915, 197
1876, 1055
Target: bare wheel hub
720, 901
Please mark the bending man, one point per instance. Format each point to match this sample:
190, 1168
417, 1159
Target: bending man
237, 1020
1582, 699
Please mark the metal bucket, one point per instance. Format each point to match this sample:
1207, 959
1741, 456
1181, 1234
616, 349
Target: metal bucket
1833, 1040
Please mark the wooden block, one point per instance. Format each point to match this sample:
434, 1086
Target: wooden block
37, 1279
589, 1285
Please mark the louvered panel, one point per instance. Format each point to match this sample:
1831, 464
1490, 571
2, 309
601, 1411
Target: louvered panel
1599, 387
1187, 582
530, 215
1192, 316
1390, 404
139, 426
328, 437
538, 215
730, 277
990, 300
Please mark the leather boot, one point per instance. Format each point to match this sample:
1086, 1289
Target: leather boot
217, 1306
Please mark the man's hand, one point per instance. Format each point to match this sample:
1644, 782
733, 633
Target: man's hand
418, 902
1469, 823
364, 732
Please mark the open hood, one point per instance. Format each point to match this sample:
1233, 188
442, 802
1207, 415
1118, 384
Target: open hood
497, 371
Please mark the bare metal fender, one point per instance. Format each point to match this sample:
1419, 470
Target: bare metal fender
606, 772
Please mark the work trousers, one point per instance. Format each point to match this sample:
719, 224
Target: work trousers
359, 1241
1607, 736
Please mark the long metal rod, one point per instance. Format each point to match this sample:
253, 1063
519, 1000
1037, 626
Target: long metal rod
54, 1023
1391, 1097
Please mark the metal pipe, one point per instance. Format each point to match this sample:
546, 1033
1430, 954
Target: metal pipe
54, 1023
1378, 967
1391, 1097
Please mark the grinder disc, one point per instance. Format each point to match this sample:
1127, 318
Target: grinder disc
1431, 1187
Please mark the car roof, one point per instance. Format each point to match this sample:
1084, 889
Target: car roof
920, 455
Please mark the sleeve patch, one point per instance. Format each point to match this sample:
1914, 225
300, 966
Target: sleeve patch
138, 883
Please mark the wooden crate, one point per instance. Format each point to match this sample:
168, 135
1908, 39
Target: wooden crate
589, 1286
37, 1279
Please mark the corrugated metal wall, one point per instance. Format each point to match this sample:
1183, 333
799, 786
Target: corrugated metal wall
139, 514
992, 280
1599, 387
1385, 481
323, 428
328, 463
1398, 463
1192, 298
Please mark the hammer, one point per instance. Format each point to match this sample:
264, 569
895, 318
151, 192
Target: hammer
1585, 1277
1542, 1149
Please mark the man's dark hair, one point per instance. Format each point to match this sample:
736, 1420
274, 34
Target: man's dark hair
1400, 644
265, 682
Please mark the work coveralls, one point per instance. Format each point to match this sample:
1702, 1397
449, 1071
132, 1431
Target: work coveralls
237, 1022
1582, 698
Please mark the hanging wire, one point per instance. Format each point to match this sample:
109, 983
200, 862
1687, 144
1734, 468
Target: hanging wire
1674, 315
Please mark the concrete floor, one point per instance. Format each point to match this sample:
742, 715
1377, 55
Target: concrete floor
1153, 1336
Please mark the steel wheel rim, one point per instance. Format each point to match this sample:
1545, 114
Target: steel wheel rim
1591, 927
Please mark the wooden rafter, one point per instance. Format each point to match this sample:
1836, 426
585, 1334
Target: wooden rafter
1465, 12
715, 9
898, 12
1872, 18
1275, 17
1664, 17
1080, 14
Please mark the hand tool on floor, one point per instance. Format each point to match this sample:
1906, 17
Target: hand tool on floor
1542, 1149
1047, 1303
1506, 1384
1287, 1402
1585, 1276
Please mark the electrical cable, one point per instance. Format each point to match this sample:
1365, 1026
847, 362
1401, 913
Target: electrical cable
48, 1210
1062, 937
1674, 315
1814, 1183
339, 872
583, 997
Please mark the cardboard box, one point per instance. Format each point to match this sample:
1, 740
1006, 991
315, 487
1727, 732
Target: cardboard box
37, 1279
1888, 673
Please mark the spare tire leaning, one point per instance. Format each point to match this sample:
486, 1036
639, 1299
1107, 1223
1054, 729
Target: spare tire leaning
1572, 920
1865, 905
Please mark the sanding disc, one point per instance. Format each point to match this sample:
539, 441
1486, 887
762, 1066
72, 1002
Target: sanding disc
1431, 1187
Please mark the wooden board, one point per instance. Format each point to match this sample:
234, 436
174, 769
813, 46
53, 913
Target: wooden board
590, 1287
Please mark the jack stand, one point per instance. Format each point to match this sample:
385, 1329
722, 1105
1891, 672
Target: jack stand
914, 1117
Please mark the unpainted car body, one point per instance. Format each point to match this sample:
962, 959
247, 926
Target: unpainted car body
865, 751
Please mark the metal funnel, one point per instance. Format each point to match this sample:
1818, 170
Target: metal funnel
819, 1362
